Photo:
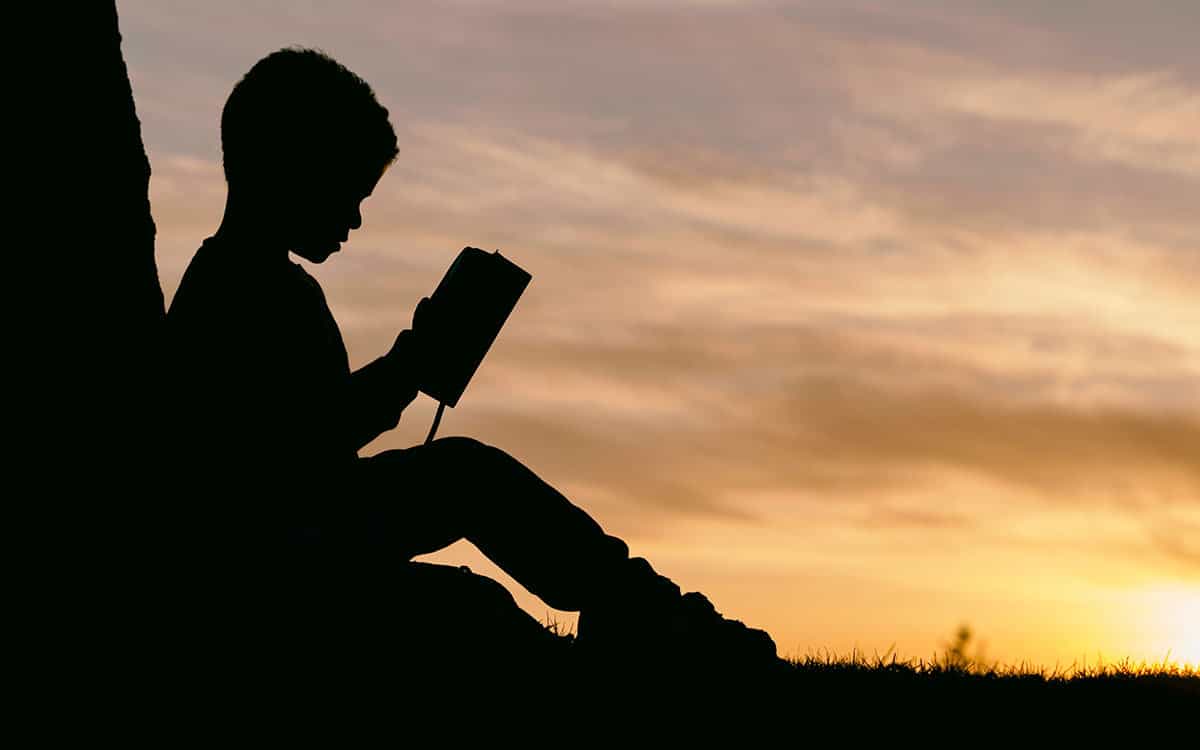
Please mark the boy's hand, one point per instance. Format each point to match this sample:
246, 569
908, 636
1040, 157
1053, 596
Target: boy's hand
411, 350
421, 315
424, 329
406, 362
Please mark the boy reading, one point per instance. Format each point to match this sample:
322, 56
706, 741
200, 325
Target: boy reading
272, 417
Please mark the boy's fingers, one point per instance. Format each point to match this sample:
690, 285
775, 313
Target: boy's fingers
402, 340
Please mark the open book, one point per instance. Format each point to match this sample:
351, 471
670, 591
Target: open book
473, 301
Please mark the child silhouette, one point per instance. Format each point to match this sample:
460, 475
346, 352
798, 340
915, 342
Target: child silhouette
271, 417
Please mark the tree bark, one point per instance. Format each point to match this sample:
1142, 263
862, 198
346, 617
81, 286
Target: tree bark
84, 401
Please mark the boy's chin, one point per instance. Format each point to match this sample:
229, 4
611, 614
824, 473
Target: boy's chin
319, 253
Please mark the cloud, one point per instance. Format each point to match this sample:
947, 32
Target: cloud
1178, 543
1142, 120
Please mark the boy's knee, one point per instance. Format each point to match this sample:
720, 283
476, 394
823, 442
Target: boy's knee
455, 443
467, 452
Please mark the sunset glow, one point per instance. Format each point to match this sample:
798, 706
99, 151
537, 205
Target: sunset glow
1179, 611
865, 319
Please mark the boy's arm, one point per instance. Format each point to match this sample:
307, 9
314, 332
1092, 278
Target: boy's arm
381, 390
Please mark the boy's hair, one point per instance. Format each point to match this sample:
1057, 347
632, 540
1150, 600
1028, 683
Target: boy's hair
298, 108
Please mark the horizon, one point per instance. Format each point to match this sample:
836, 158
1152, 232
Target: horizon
865, 321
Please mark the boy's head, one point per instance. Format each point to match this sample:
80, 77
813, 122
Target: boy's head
304, 141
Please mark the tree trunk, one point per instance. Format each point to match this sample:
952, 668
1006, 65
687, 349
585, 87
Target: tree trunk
85, 397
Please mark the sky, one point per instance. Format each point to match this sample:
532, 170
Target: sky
866, 319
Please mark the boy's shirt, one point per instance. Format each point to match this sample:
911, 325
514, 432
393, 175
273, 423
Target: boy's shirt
262, 376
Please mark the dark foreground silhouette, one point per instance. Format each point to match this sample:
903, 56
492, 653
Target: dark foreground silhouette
215, 525
134, 593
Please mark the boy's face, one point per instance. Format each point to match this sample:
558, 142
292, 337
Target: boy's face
322, 210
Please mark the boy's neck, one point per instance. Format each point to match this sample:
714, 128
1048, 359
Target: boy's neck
245, 228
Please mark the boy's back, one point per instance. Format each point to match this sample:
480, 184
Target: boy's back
260, 375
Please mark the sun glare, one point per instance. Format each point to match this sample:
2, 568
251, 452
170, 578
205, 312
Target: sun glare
1179, 621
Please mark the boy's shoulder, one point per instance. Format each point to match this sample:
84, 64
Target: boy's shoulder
224, 293
213, 264
222, 274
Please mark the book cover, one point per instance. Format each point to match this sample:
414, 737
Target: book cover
473, 299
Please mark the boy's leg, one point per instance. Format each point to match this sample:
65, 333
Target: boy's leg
427, 497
